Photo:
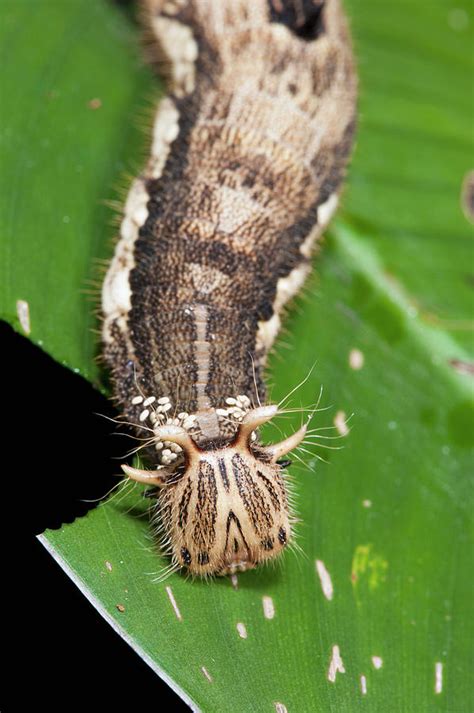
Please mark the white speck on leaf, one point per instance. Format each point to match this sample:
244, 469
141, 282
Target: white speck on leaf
335, 665
341, 423
268, 607
356, 359
241, 628
206, 674
438, 677
325, 578
23, 312
173, 603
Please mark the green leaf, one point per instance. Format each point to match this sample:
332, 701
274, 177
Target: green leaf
77, 91
388, 517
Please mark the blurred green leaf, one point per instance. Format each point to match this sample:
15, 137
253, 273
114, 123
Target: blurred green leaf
389, 516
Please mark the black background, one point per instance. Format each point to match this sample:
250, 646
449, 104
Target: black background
58, 651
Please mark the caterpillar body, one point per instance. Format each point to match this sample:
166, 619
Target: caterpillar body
248, 152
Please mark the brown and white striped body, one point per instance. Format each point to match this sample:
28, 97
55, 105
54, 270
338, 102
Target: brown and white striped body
248, 153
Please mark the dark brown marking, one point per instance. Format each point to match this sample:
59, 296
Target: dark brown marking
303, 17
231, 517
184, 505
463, 367
252, 497
271, 490
267, 544
185, 554
223, 472
282, 535
205, 514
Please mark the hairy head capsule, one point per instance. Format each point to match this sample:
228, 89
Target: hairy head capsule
225, 509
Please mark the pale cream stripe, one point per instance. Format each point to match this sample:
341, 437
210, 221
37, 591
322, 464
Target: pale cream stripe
206, 415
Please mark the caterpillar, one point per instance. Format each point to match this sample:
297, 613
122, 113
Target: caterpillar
248, 151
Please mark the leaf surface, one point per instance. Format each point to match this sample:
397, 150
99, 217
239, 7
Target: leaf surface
388, 518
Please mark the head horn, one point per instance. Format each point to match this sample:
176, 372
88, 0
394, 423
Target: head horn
175, 434
277, 450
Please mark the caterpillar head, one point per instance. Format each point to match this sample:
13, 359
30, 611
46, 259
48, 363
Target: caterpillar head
226, 509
